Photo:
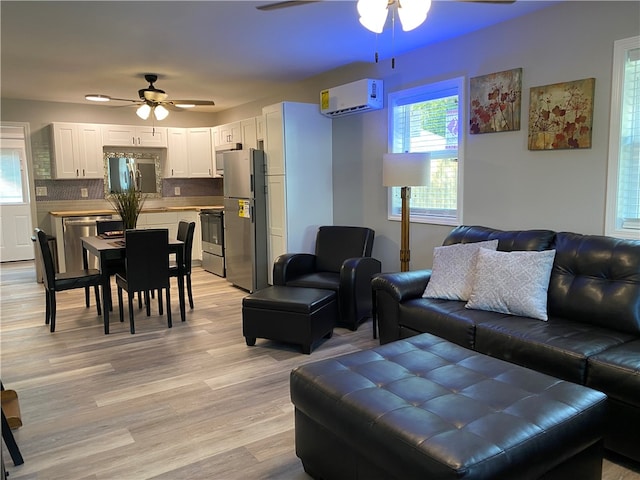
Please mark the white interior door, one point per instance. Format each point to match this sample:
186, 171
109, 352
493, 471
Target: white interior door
15, 209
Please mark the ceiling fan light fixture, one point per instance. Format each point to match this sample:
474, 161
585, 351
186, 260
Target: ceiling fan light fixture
144, 111
160, 112
373, 14
413, 13
96, 97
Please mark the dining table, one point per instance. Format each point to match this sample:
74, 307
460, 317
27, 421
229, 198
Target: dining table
108, 248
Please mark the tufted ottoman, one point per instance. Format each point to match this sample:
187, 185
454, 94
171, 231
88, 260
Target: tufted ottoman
289, 314
426, 408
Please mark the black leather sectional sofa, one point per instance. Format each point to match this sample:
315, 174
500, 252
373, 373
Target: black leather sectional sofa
591, 337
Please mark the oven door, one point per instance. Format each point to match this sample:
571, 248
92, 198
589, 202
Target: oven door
213, 242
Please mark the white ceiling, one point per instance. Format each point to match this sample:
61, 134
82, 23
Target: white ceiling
226, 51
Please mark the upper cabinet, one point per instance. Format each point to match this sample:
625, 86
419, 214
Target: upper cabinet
225, 137
77, 151
260, 128
189, 153
249, 135
131, 136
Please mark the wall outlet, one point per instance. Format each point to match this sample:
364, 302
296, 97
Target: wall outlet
41, 191
176, 191
84, 193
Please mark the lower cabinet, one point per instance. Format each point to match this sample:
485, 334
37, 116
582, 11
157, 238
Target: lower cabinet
169, 220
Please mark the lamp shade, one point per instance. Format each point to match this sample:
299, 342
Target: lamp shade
144, 111
405, 169
160, 112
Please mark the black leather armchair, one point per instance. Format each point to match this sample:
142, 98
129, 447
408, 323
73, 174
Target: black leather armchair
342, 262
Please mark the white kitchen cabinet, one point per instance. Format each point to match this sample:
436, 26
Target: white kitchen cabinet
298, 148
226, 136
249, 136
77, 151
132, 136
189, 153
259, 128
170, 220
176, 165
200, 153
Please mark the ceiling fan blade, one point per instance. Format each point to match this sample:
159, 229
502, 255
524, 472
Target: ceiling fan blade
284, 4
197, 103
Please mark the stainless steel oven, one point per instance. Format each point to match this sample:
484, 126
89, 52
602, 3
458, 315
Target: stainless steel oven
212, 223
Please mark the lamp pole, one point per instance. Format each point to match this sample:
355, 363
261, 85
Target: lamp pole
405, 254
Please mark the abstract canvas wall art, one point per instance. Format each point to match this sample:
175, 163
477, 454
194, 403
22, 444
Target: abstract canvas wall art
495, 102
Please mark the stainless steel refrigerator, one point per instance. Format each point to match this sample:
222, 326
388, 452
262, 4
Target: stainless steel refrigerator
245, 219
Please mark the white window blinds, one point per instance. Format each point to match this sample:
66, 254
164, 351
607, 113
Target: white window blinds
426, 119
623, 198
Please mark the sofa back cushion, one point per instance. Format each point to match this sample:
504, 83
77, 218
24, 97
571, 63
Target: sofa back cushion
508, 241
596, 279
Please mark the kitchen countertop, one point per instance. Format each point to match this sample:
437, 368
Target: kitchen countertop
84, 213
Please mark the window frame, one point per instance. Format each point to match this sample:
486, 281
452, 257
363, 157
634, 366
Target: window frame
428, 90
620, 51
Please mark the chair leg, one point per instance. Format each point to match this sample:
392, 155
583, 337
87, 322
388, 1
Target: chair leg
47, 313
189, 291
140, 300
147, 303
97, 290
168, 306
131, 324
52, 303
120, 307
10, 442
160, 309
87, 297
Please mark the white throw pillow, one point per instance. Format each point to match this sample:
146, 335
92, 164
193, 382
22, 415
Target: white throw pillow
453, 268
512, 282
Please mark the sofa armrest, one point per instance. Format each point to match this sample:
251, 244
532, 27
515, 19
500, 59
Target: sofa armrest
402, 286
389, 291
291, 265
355, 289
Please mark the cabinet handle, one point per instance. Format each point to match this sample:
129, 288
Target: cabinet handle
77, 172
83, 173
133, 140
172, 172
139, 142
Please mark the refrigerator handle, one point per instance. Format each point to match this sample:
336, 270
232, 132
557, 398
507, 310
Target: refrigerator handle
251, 183
251, 213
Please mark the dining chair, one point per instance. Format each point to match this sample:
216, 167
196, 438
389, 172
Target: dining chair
146, 269
113, 266
185, 234
56, 282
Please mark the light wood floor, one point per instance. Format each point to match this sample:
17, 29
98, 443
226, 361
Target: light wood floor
191, 402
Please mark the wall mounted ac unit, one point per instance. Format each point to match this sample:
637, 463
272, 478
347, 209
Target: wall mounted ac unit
355, 97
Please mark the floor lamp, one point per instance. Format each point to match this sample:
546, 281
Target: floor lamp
405, 170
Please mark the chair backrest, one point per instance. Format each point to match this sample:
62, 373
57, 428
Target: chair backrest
334, 244
47, 259
185, 233
147, 259
104, 226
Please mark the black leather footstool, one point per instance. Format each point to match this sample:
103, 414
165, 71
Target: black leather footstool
289, 314
427, 408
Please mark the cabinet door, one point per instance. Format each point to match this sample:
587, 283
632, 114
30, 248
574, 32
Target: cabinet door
177, 159
249, 138
66, 150
118, 135
200, 153
151, 136
91, 159
274, 139
276, 217
259, 128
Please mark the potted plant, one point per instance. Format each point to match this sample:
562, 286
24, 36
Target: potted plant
128, 204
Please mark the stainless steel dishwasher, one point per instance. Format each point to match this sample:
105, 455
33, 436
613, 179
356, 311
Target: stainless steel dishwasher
73, 229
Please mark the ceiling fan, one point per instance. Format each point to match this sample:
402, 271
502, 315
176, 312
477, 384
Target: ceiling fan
152, 99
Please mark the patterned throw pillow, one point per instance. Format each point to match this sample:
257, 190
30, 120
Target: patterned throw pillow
453, 268
512, 282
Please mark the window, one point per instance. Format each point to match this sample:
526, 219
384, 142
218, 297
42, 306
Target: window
13, 186
623, 189
426, 119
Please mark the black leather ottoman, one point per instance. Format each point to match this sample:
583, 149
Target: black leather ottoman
289, 314
427, 408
